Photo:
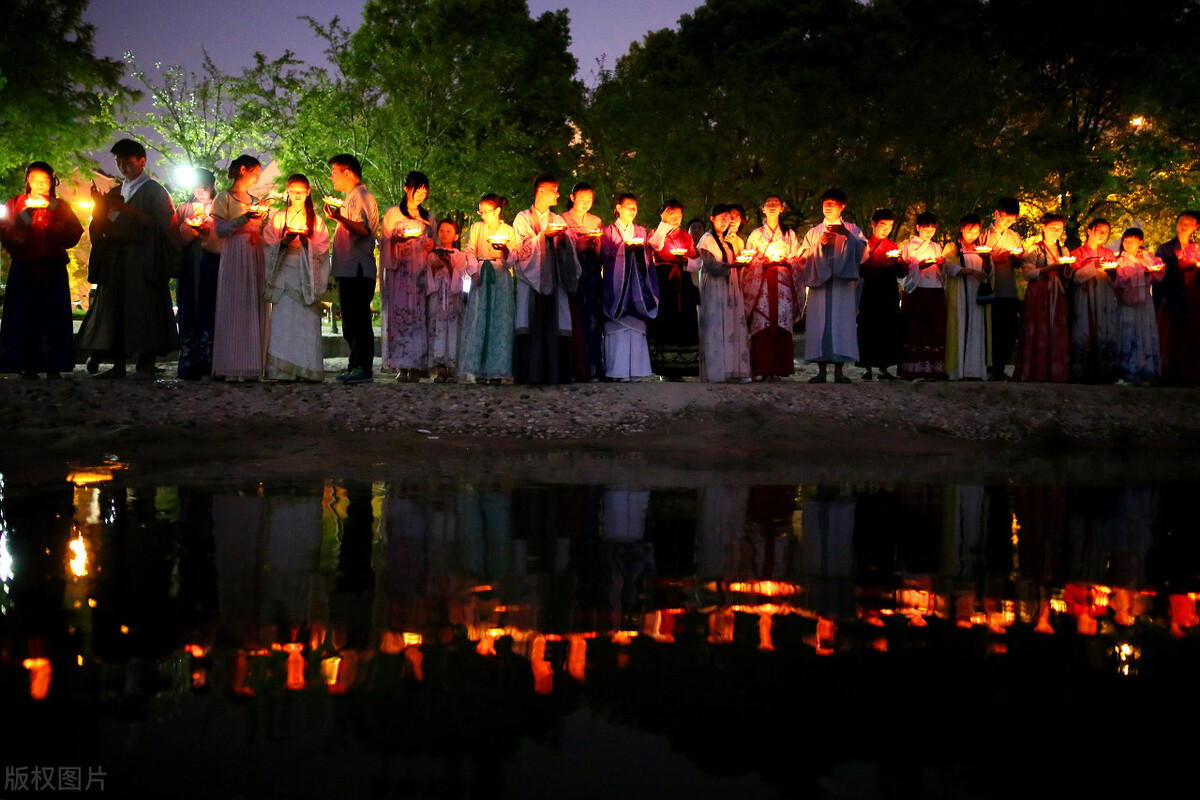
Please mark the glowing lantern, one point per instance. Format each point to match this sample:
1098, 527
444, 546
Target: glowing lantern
331, 668
497, 239
765, 621
893, 253
39, 677
983, 249
774, 252
79, 557
295, 665
554, 227
36, 201
634, 242
543, 672
678, 251
745, 257
332, 202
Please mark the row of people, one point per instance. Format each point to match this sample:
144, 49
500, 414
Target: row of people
560, 297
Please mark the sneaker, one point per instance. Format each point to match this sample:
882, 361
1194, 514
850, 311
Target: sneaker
356, 375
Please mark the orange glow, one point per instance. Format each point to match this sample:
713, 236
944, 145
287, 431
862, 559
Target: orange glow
196, 650
745, 257
577, 657
720, 626
197, 220
1182, 610
543, 672
765, 588
39, 677
623, 637
36, 201
764, 632
335, 202
826, 629
295, 665
774, 252
391, 642
678, 251
411, 639
482, 588
415, 659
84, 204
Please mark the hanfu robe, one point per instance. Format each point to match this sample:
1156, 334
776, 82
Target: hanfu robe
132, 262
724, 343
296, 275
879, 332
36, 332
587, 302
831, 275
1008, 283
1095, 357
1044, 349
630, 299
674, 335
196, 291
547, 270
486, 348
1138, 341
923, 314
1179, 313
240, 327
405, 269
968, 324
444, 306
771, 286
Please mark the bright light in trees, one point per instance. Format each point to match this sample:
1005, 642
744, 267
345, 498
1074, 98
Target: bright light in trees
185, 177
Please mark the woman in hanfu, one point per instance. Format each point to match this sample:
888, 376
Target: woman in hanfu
1095, 357
879, 333
196, 292
630, 293
1138, 341
37, 229
773, 301
724, 344
443, 311
296, 250
1044, 349
587, 302
674, 335
486, 348
406, 238
240, 327
923, 314
968, 323
1179, 308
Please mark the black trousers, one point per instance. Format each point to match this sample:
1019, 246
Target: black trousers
354, 296
1006, 316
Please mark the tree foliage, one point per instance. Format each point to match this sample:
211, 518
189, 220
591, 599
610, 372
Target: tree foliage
913, 104
57, 99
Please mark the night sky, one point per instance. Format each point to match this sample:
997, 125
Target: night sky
232, 30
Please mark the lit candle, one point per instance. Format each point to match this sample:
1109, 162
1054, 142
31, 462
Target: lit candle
745, 257
893, 253
36, 201
411, 233
774, 251
983, 249
333, 202
678, 251
635, 242
497, 239
554, 227
1067, 260
1108, 264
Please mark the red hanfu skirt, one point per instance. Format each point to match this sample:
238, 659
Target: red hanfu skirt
923, 317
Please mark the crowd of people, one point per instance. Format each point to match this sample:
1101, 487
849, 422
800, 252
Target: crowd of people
552, 298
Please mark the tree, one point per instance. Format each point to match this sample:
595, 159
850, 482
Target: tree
476, 94
57, 100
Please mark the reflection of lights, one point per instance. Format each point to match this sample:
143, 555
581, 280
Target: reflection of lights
411, 639
1127, 657
330, 669
295, 665
79, 557
39, 677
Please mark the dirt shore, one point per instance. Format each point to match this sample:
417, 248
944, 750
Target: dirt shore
874, 429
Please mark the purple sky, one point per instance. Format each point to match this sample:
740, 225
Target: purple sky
174, 33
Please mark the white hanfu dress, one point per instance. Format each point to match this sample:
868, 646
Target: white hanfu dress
296, 276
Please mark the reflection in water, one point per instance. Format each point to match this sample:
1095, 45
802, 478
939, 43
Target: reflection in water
134, 594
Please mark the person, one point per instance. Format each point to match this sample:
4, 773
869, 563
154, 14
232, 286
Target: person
630, 293
1179, 306
547, 270
724, 345
1043, 350
37, 230
832, 251
447, 265
406, 240
879, 333
1007, 250
196, 290
587, 302
674, 334
134, 256
1095, 357
296, 252
240, 327
923, 315
968, 328
1138, 342
354, 264
486, 350
769, 284
737, 218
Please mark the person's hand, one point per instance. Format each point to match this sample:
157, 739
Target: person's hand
334, 213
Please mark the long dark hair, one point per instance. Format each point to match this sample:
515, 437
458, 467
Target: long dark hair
310, 213
41, 166
412, 181
243, 161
